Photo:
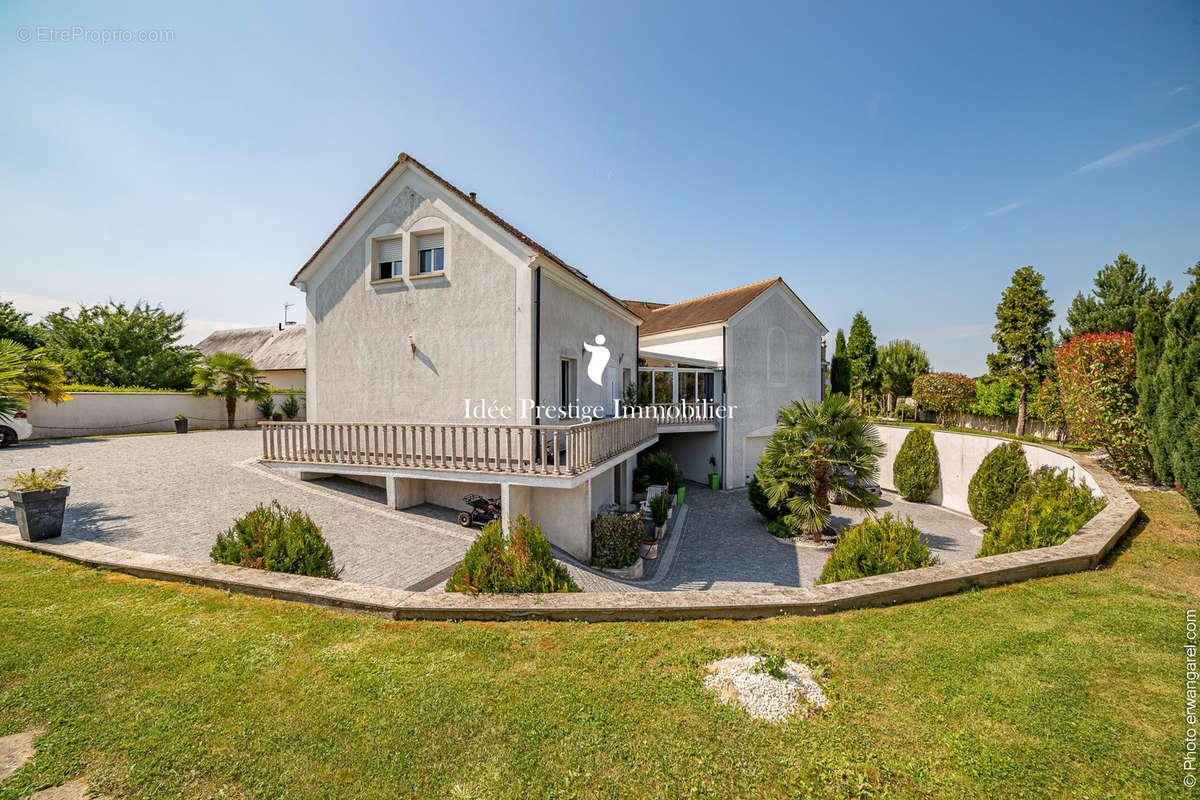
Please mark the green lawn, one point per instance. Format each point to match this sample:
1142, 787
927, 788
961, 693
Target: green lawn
1062, 687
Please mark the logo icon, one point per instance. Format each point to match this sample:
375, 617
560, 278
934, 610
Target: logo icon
598, 357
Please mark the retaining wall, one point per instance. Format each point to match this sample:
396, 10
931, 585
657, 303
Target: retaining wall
104, 413
959, 456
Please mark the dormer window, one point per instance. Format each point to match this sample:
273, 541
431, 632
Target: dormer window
431, 253
389, 258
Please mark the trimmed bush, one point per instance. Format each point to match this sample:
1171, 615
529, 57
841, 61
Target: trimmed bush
1049, 514
519, 562
657, 468
1001, 479
290, 407
916, 470
616, 540
758, 499
276, 539
877, 547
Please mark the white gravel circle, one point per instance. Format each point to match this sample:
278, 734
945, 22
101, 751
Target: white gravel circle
762, 696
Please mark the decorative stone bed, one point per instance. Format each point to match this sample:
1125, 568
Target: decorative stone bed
959, 459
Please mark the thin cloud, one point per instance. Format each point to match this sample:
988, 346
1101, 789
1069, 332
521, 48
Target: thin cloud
1005, 209
1132, 150
1180, 89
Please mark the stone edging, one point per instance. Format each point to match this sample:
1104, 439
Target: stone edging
1082, 551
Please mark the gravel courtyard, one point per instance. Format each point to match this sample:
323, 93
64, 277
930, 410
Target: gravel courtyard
172, 495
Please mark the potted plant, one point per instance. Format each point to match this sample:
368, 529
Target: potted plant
181, 423
660, 505
39, 498
266, 407
714, 477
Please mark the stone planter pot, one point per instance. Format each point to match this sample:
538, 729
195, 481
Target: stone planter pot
181, 426
714, 480
660, 531
40, 513
277, 417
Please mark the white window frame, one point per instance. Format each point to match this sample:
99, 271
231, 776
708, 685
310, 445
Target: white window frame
426, 227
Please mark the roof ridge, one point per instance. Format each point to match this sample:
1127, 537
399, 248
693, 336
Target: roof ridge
762, 283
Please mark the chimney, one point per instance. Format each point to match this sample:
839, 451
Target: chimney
472, 196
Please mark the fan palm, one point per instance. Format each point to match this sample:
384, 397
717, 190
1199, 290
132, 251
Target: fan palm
232, 377
26, 373
818, 448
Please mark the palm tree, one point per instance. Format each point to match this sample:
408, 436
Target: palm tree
232, 377
818, 448
901, 361
25, 373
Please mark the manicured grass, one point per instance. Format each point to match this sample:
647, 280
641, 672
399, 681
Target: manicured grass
1062, 687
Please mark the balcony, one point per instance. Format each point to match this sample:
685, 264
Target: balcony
684, 417
486, 450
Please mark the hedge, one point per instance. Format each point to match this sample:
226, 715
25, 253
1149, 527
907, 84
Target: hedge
1054, 509
1097, 375
943, 392
617, 540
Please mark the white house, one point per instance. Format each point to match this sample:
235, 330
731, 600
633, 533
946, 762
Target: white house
449, 353
750, 350
277, 350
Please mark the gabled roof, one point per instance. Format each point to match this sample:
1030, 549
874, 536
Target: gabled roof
403, 160
268, 347
711, 308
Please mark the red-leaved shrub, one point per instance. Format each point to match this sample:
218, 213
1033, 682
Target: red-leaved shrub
943, 392
1096, 374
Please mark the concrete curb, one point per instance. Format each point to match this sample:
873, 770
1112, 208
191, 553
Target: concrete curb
1084, 550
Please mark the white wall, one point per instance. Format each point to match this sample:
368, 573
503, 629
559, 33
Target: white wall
285, 378
959, 457
103, 413
757, 390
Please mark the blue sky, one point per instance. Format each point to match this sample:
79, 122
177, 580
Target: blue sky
902, 159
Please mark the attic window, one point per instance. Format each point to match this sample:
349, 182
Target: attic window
389, 258
431, 253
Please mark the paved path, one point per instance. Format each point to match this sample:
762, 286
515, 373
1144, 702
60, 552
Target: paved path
726, 546
172, 495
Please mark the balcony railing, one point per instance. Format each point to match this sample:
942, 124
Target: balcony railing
505, 449
684, 413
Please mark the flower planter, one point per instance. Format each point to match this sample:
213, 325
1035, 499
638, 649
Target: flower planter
714, 480
650, 550
40, 513
679, 496
181, 425
660, 531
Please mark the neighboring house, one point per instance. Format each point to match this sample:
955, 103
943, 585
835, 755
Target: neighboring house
276, 350
752, 350
423, 305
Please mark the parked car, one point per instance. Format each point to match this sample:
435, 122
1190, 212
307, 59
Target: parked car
13, 429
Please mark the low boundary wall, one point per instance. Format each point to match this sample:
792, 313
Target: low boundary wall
1084, 550
106, 413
